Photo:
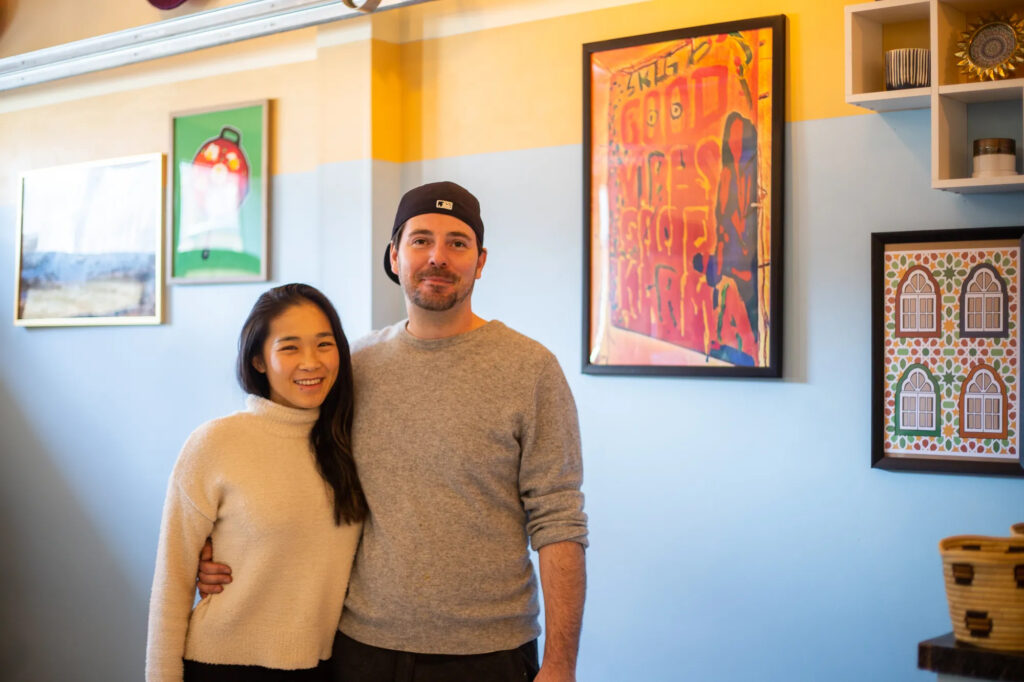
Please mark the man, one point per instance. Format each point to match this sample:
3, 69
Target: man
467, 444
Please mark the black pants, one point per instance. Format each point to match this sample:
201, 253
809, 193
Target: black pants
357, 662
208, 672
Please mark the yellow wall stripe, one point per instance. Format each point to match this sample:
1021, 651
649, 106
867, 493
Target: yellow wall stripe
520, 86
517, 86
387, 102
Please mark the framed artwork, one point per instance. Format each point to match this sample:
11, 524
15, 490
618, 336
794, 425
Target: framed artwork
946, 350
89, 245
682, 201
218, 195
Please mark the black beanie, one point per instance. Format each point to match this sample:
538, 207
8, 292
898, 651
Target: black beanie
446, 198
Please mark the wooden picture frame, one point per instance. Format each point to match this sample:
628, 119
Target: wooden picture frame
89, 249
218, 195
946, 350
682, 201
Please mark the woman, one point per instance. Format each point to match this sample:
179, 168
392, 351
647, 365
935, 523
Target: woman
275, 487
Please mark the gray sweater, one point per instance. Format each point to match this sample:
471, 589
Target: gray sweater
467, 447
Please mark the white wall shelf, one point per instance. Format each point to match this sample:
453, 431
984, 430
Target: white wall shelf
981, 185
990, 91
952, 96
895, 100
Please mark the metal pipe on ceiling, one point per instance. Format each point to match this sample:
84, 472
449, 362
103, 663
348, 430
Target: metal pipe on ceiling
209, 28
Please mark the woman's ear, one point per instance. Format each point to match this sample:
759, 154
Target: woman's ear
257, 362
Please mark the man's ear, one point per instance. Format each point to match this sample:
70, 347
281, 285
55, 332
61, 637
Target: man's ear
480, 260
257, 362
393, 255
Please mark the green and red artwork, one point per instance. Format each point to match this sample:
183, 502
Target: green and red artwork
950, 351
219, 195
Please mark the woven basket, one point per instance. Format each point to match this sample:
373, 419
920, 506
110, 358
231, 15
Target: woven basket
985, 588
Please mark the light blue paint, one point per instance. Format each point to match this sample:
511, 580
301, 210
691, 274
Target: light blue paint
760, 549
352, 195
344, 252
765, 549
994, 119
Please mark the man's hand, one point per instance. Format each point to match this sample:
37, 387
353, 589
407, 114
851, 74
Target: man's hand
211, 575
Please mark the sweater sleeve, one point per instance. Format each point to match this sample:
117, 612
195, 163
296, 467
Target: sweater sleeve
189, 511
551, 467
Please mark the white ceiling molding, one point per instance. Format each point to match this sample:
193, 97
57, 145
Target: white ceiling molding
162, 74
197, 31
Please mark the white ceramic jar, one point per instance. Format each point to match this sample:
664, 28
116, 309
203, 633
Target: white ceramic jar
994, 157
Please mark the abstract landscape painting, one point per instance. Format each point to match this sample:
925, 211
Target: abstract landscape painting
89, 243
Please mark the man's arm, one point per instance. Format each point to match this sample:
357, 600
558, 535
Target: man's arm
211, 574
563, 579
550, 475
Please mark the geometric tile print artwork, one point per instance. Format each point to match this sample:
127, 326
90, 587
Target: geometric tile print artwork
951, 382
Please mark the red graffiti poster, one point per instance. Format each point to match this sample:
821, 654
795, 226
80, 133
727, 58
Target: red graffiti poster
684, 195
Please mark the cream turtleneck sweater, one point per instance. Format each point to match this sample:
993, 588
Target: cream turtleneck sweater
249, 481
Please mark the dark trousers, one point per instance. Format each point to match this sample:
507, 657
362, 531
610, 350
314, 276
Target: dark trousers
209, 672
357, 662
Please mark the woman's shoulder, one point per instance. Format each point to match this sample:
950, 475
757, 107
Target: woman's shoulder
228, 426
213, 439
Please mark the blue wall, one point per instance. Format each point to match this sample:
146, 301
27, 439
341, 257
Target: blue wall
738, 532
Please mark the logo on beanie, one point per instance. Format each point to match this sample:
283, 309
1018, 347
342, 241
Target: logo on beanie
446, 205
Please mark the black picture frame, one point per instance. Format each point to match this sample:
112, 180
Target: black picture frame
711, 304
948, 363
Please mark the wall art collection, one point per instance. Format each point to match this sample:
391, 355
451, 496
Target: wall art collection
90, 239
683, 140
682, 244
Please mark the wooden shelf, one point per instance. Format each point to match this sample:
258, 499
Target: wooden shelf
890, 11
1012, 183
980, 6
874, 27
865, 26
989, 91
893, 100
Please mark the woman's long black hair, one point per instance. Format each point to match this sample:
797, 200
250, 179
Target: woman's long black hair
331, 436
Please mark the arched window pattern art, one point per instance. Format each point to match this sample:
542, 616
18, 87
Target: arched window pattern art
917, 304
917, 404
983, 304
983, 405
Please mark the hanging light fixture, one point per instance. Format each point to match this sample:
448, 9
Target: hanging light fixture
166, 4
362, 5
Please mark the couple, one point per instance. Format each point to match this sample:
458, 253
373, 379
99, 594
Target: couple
465, 437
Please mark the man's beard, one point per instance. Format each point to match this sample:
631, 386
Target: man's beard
437, 302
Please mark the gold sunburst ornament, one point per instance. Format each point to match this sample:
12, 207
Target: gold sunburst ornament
992, 47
